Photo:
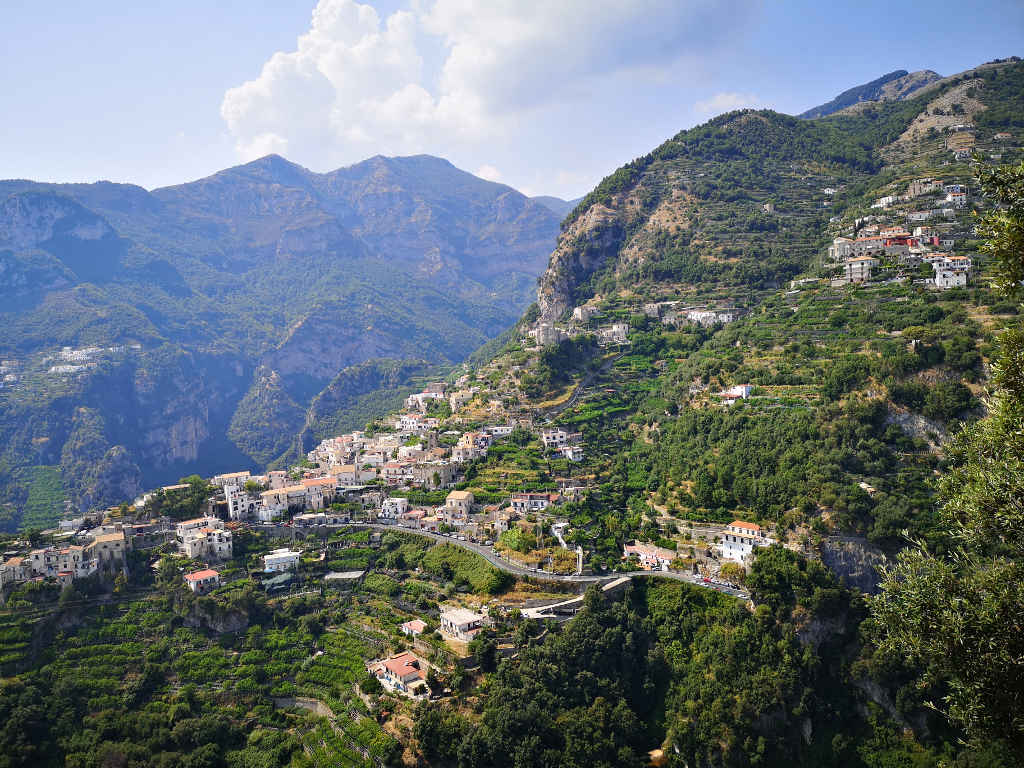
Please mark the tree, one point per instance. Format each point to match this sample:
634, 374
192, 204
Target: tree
959, 613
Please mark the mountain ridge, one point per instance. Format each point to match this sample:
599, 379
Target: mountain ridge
296, 274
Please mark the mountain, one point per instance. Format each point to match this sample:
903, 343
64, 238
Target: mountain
556, 204
895, 86
255, 286
736, 205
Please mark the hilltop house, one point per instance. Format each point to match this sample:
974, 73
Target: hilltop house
739, 540
404, 673
532, 502
413, 628
651, 558
204, 537
280, 560
203, 581
460, 623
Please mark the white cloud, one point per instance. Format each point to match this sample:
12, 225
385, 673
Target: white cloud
488, 172
481, 83
725, 102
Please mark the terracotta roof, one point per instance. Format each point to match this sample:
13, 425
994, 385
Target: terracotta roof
403, 665
415, 625
201, 575
745, 525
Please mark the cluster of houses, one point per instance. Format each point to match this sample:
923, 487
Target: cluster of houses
406, 673
670, 313
617, 333
736, 544
101, 547
908, 245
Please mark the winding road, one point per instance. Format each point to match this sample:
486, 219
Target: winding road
517, 570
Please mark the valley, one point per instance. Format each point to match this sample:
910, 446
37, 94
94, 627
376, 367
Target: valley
738, 489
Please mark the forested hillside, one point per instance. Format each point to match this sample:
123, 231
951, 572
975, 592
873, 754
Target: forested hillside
198, 323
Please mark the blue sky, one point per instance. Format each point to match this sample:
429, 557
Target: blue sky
545, 95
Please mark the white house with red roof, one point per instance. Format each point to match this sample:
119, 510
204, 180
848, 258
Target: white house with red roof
203, 581
740, 538
414, 628
651, 558
404, 673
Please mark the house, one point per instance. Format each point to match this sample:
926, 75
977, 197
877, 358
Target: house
15, 569
946, 279
203, 581
737, 392
107, 548
584, 313
392, 508
413, 628
420, 400
532, 502
920, 187
231, 478
651, 558
460, 503
547, 335
558, 438
204, 537
957, 199
616, 333
403, 673
280, 560
572, 452
312, 519
739, 540
460, 623
241, 504
434, 474
858, 270
919, 215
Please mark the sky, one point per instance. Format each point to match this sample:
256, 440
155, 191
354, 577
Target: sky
548, 96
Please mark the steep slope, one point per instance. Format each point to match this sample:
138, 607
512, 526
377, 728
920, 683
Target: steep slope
292, 275
742, 203
895, 86
845, 393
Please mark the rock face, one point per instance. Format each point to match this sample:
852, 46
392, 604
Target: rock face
855, 561
267, 267
895, 86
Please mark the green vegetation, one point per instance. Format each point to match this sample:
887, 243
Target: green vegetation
958, 612
45, 503
697, 674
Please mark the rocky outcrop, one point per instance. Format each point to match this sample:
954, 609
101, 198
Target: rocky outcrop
854, 560
894, 86
206, 614
590, 243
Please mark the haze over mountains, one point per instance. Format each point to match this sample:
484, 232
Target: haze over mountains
239, 317
262, 282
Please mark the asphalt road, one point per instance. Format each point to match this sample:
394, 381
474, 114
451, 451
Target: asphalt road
499, 562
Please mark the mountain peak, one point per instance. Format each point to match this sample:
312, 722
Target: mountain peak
894, 86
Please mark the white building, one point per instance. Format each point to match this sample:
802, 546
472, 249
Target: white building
556, 439
280, 560
532, 502
393, 506
460, 623
204, 537
203, 581
739, 540
858, 270
584, 313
